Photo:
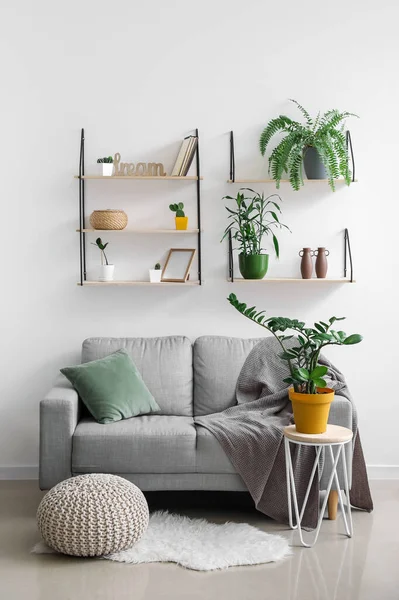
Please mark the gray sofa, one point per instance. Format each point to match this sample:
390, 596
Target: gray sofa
166, 451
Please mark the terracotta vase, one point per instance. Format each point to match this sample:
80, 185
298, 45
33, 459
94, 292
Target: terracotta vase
306, 263
321, 262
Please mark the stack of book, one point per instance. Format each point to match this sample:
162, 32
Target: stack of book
185, 156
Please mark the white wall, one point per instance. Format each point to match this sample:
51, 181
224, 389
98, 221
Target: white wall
138, 76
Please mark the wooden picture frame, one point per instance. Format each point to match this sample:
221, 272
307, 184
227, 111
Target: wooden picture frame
178, 263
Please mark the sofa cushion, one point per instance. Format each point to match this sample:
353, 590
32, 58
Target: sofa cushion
111, 388
217, 365
147, 444
211, 458
164, 363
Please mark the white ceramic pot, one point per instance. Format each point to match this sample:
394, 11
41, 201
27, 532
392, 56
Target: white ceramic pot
108, 169
106, 273
155, 275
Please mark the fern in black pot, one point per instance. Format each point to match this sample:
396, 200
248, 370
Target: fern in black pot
317, 144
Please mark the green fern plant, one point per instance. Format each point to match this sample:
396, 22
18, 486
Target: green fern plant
325, 133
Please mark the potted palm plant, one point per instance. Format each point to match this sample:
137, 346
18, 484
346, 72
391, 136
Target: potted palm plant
156, 274
253, 218
106, 270
309, 394
107, 165
319, 144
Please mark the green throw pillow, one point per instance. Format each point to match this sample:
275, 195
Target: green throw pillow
112, 388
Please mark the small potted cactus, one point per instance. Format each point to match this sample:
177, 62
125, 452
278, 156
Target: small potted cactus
156, 274
107, 165
106, 270
180, 218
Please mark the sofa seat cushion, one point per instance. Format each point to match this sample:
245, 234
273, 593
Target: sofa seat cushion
211, 458
146, 444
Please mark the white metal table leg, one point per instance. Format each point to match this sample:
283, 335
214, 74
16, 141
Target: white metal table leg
294, 495
346, 518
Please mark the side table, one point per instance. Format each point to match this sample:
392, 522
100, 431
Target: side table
322, 442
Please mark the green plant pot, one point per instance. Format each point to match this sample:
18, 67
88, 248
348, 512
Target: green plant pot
312, 162
253, 266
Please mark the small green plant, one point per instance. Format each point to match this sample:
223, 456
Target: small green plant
325, 133
102, 247
254, 217
106, 159
157, 267
306, 375
178, 209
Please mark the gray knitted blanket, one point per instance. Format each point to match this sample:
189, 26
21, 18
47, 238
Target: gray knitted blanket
251, 434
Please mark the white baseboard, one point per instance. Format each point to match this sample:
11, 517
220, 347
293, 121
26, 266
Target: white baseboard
15, 473
383, 471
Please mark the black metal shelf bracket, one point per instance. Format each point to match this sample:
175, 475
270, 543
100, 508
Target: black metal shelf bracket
198, 166
82, 235
349, 146
232, 158
347, 252
231, 257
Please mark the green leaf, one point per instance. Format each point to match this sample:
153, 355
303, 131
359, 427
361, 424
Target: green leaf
302, 373
321, 383
180, 205
355, 338
320, 327
318, 372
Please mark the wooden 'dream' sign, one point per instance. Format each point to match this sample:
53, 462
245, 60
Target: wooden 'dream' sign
139, 170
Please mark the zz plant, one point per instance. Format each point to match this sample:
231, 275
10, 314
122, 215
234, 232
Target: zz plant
253, 218
306, 375
101, 247
325, 133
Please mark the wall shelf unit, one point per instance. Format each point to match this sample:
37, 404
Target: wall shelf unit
233, 179
148, 177
344, 279
83, 230
292, 280
155, 231
119, 283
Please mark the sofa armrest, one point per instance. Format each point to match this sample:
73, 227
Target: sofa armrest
59, 415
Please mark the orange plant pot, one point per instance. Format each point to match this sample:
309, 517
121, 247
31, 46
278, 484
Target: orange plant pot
311, 410
181, 222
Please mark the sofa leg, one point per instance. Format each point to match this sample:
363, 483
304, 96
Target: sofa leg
332, 505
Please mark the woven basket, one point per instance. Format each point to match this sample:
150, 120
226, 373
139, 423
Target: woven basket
108, 219
92, 515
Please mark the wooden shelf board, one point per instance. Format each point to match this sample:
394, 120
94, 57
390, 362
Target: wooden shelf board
178, 231
290, 280
284, 181
168, 177
163, 283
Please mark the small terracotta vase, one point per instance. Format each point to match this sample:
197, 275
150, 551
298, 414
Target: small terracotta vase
321, 262
306, 263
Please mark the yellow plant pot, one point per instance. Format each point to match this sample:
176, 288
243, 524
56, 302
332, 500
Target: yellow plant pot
181, 222
311, 410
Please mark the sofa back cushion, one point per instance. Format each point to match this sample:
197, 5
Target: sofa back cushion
217, 365
164, 363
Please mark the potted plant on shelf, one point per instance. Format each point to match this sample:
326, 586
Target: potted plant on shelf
180, 219
309, 394
253, 218
156, 274
107, 165
320, 144
106, 270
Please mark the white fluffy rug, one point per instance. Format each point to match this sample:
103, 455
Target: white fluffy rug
199, 545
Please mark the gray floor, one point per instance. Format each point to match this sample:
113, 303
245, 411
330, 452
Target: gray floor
364, 568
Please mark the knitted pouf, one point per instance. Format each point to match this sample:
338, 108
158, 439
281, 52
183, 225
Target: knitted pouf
92, 515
